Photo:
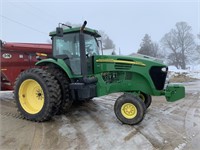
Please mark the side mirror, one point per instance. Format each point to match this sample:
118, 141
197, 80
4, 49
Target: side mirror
59, 31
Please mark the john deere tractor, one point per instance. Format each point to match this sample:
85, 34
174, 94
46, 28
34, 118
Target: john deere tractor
77, 72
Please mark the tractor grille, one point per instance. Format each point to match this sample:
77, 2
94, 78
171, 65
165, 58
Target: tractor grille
158, 77
120, 66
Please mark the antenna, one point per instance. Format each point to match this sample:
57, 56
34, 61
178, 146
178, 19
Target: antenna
62, 24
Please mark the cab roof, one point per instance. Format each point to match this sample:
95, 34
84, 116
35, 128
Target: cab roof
77, 29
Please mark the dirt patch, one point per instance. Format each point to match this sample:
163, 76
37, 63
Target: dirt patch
180, 77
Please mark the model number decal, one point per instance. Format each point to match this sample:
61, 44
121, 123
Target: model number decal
7, 56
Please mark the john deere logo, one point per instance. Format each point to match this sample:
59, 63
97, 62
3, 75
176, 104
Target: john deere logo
7, 56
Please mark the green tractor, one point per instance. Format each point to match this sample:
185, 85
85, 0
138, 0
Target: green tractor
77, 72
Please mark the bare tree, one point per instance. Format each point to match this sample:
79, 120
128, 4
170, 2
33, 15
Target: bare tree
170, 42
198, 35
180, 42
106, 41
149, 48
155, 49
198, 45
145, 46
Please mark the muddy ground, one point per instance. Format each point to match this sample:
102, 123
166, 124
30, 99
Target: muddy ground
93, 125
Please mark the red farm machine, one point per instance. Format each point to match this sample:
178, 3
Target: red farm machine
17, 57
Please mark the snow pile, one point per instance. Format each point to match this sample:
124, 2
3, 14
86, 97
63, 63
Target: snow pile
190, 72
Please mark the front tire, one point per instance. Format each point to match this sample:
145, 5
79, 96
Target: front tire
146, 99
36, 93
129, 109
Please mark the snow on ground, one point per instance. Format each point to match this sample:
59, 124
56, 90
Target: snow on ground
6, 95
191, 71
93, 125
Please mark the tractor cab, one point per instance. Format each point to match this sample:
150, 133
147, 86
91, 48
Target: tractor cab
76, 46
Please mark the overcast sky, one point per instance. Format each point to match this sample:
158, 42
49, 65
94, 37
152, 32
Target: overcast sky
126, 22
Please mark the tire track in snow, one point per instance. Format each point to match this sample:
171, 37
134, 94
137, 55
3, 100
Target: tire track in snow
192, 122
38, 137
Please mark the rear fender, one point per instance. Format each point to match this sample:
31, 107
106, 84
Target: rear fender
58, 62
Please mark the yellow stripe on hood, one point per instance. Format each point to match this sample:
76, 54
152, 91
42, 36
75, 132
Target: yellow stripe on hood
120, 61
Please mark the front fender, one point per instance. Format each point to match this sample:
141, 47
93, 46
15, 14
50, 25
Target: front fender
60, 63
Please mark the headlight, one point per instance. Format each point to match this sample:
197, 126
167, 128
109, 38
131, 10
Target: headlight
164, 69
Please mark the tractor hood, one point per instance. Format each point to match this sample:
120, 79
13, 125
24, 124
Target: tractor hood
147, 73
139, 60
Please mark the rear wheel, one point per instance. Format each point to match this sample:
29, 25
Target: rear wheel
129, 109
146, 99
36, 93
63, 80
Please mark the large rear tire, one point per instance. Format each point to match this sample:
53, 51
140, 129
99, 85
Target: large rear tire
63, 81
36, 93
129, 109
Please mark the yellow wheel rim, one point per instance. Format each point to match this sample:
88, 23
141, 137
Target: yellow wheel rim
31, 96
142, 97
129, 110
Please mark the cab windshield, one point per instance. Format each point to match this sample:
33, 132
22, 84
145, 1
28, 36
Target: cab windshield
68, 49
69, 45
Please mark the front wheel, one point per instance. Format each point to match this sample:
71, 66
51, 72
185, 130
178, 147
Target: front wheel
129, 109
146, 99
